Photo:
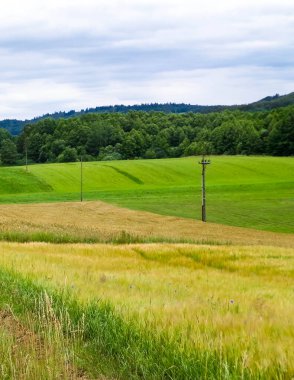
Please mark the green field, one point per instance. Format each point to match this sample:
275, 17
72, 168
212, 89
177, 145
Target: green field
256, 192
160, 296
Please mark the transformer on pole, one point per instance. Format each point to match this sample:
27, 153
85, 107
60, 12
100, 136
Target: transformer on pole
204, 162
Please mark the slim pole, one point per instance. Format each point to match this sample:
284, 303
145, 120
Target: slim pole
81, 178
26, 148
203, 195
204, 162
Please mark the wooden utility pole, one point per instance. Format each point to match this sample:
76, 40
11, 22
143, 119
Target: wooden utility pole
26, 149
81, 178
204, 162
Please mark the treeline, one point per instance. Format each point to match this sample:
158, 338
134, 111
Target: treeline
110, 136
266, 104
15, 126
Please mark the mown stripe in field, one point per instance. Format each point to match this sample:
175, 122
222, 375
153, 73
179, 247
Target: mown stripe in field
126, 174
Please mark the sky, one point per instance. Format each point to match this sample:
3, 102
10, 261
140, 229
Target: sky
76, 54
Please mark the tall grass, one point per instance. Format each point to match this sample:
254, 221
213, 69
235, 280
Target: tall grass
34, 344
121, 237
162, 311
131, 350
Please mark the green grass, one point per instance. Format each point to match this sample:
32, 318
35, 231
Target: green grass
154, 312
129, 351
252, 192
15, 180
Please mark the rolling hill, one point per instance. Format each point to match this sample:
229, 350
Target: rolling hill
254, 192
270, 102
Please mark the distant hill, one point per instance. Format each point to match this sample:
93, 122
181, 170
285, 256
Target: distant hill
270, 102
13, 126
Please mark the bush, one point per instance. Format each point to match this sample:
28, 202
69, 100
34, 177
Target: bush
8, 152
68, 155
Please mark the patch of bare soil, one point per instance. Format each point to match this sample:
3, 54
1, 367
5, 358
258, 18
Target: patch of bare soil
26, 339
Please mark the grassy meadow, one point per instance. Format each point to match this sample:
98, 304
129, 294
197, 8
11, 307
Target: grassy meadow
130, 285
255, 192
164, 310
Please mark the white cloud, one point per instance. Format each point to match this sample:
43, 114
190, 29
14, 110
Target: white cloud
22, 98
59, 55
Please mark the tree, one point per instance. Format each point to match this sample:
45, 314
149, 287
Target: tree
150, 153
57, 147
109, 153
35, 143
68, 155
4, 135
8, 152
133, 145
281, 137
249, 140
161, 145
235, 137
199, 148
225, 138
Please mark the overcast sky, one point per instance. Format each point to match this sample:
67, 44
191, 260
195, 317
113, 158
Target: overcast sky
73, 54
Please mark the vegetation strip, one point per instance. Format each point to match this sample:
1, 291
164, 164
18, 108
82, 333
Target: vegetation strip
107, 338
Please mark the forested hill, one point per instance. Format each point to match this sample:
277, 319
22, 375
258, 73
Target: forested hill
15, 126
268, 103
138, 134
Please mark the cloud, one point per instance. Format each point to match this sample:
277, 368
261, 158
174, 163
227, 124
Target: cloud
66, 54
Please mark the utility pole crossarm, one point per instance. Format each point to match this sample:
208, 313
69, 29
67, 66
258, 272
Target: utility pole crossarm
204, 162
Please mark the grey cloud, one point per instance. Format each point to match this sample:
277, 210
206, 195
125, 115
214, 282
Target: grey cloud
135, 54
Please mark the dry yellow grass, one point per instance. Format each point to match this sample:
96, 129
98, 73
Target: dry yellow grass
103, 221
237, 298
24, 355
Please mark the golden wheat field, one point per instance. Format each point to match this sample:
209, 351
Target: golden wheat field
185, 299
236, 298
101, 222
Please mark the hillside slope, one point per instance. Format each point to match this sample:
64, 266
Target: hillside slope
252, 192
269, 103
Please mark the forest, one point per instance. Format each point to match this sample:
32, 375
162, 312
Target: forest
140, 134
